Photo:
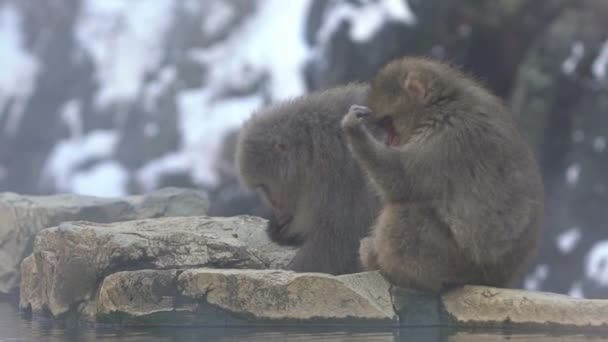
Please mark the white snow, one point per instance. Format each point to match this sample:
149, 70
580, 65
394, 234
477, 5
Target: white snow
18, 68
218, 15
572, 174
69, 154
566, 241
365, 19
125, 38
152, 91
533, 281
202, 134
601, 63
576, 290
106, 179
596, 267
599, 144
71, 115
269, 44
149, 175
577, 52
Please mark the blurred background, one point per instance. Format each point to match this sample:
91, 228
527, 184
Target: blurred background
117, 97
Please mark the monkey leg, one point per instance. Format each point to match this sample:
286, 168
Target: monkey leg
368, 254
415, 250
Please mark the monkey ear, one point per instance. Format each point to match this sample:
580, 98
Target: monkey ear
414, 87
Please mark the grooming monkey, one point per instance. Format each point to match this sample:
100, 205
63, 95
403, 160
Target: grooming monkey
294, 153
462, 195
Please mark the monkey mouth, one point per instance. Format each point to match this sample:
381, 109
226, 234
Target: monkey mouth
386, 124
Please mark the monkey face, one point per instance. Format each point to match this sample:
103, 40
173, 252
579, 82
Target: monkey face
394, 112
407, 93
273, 165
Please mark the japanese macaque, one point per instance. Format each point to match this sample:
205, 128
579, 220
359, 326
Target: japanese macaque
462, 197
294, 153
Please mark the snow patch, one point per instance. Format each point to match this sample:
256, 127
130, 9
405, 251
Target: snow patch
219, 15
596, 267
148, 177
533, 281
576, 54
107, 179
247, 57
67, 155
153, 90
365, 19
125, 39
566, 241
71, 116
599, 144
601, 63
572, 174
202, 134
19, 68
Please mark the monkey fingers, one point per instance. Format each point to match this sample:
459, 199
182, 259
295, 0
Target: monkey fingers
355, 117
361, 112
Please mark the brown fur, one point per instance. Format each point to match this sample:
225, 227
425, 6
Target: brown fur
462, 194
295, 154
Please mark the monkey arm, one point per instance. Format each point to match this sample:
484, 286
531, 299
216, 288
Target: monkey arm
381, 163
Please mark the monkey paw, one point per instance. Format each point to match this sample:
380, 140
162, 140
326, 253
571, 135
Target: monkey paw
355, 116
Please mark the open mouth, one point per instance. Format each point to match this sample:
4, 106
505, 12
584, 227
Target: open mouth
386, 124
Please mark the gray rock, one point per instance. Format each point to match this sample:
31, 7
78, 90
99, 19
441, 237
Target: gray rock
189, 271
205, 296
475, 305
21, 217
70, 261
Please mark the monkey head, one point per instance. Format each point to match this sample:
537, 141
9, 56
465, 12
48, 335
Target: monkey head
272, 158
409, 93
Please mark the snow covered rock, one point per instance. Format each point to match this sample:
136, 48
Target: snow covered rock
22, 217
69, 262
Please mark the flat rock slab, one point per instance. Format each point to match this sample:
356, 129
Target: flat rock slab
22, 217
70, 261
478, 305
224, 297
204, 296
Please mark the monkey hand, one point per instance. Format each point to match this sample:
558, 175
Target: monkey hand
356, 116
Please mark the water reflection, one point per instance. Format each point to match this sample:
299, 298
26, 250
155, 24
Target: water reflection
15, 327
